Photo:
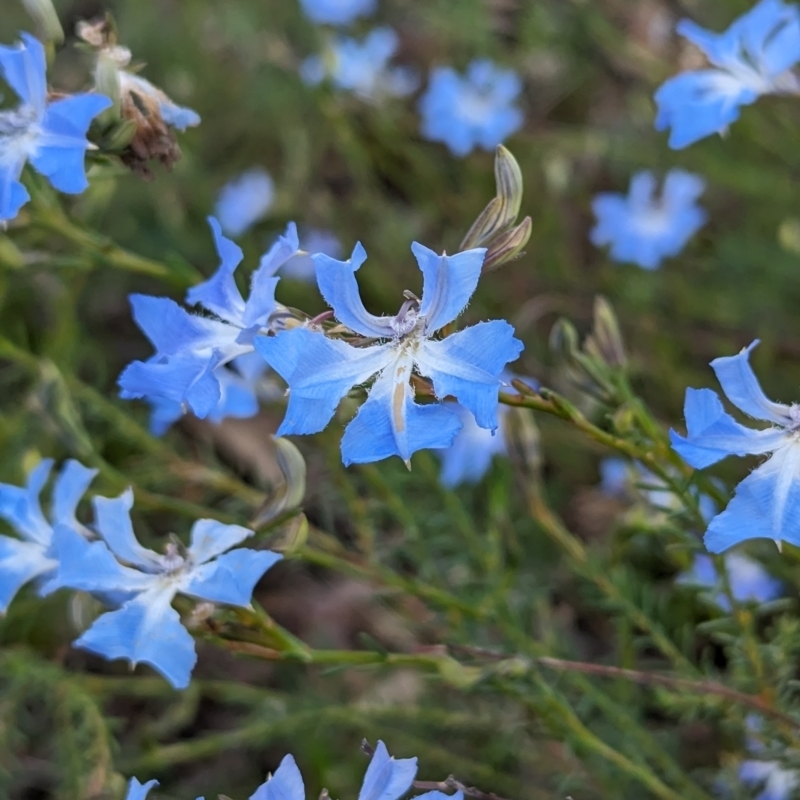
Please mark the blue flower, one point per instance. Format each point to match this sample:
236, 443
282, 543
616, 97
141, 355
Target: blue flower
468, 459
362, 67
752, 58
644, 230
337, 12
467, 364
191, 348
145, 628
776, 782
244, 201
239, 384
767, 502
31, 557
301, 267
476, 110
614, 477
139, 791
49, 135
748, 579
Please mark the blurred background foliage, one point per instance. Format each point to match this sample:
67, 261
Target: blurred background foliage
70, 726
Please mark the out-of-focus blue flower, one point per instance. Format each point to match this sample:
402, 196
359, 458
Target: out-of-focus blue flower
474, 110
238, 386
139, 791
614, 477
337, 12
30, 557
466, 365
644, 230
753, 57
190, 349
748, 579
301, 267
767, 502
145, 628
776, 782
49, 135
362, 67
244, 201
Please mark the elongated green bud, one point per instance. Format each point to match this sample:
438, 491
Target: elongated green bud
508, 246
508, 177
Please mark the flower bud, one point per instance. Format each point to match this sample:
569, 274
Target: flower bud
485, 226
508, 177
290, 493
508, 246
46, 19
605, 341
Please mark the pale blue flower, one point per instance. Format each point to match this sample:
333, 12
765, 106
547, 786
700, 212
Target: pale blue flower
139, 791
466, 365
337, 12
51, 135
301, 267
775, 782
244, 201
753, 57
474, 110
614, 477
30, 557
146, 628
643, 229
362, 67
239, 384
747, 578
767, 502
191, 348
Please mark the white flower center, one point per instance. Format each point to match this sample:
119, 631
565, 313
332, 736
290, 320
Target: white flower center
19, 133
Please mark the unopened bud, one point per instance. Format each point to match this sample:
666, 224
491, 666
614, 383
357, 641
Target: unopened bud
605, 341
485, 226
508, 177
508, 246
47, 23
564, 340
290, 494
524, 441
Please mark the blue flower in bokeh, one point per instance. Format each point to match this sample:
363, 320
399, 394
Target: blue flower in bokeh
139, 791
30, 557
767, 502
752, 58
337, 12
475, 110
467, 364
301, 267
643, 229
239, 384
191, 348
49, 135
145, 628
362, 67
244, 201
748, 579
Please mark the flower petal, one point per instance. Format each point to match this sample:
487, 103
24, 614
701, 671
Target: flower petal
210, 538
319, 372
138, 791
468, 459
91, 567
261, 302
467, 365
219, 294
145, 630
766, 505
69, 487
713, 434
387, 778
113, 521
741, 387
20, 562
231, 578
448, 282
13, 195
390, 423
337, 284
285, 784
21, 509
24, 68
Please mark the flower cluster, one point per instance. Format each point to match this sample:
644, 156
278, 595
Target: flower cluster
386, 778
106, 560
